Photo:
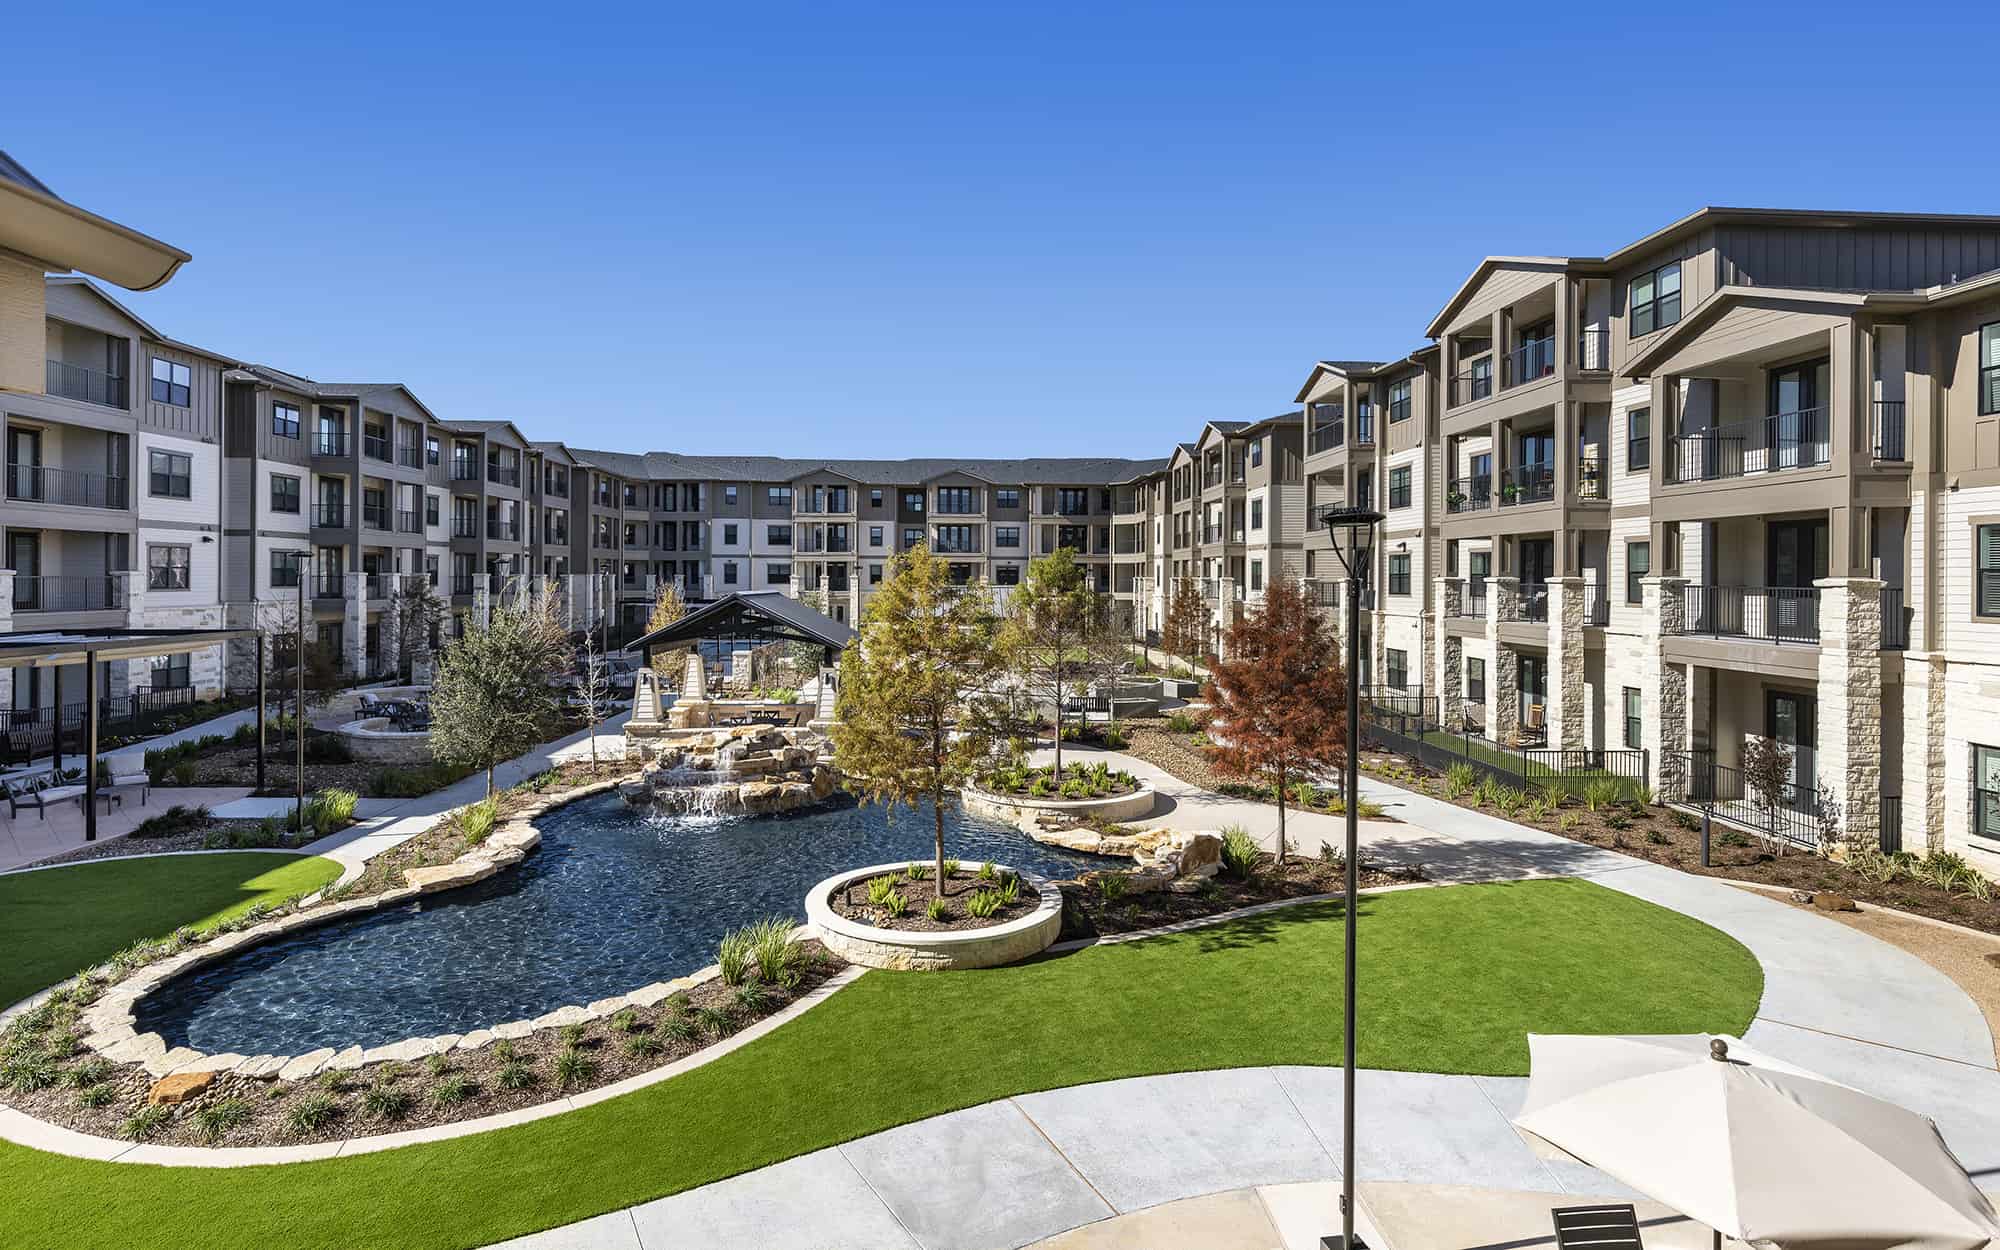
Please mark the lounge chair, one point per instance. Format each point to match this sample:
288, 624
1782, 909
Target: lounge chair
40, 791
1610, 1227
128, 781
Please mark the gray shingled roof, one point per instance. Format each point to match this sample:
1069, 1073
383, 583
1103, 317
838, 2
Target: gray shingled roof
676, 466
1354, 366
14, 171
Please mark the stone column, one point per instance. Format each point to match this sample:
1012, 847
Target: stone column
1923, 752
1850, 703
7, 624
1568, 704
354, 623
1663, 731
392, 635
1503, 679
482, 600
129, 675
1450, 679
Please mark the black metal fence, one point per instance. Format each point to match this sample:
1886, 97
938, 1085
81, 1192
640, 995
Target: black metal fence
26, 733
1407, 723
1790, 811
1892, 824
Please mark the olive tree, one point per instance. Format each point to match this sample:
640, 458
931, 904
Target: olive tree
493, 692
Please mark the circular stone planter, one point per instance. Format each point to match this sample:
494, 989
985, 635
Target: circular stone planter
904, 949
1017, 808
376, 740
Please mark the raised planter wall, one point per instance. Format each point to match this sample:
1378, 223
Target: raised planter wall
1017, 808
908, 950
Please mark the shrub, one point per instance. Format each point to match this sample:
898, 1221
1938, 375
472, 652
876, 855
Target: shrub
180, 818
951, 867
505, 1050
1508, 801
1657, 838
477, 821
95, 1096
625, 1021
1111, 886
573, 1068
753, 997
879, 890
1459, 780
313, 1112
183, 773
30, 1068
1181, 723
1010, 889
1618, 820
1040, 788
987, 872
1240, 852
1684, 820
1568, 821
983, 904
572, 1035
1305, 794
1600, 793
515, 1074
733, 955
896, 904
213, 1120
716, 1022
937, 909
1643, 795
452, 1090
680, 1027
387, 1102
1730, 837
917, 872
89, 1072
643, 1045
326, 748
410, 783
1114, 738
144, 1122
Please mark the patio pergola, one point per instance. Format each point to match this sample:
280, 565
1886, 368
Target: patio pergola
749, 616
58, 650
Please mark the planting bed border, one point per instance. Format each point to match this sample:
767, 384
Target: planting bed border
1017, 809
933, 950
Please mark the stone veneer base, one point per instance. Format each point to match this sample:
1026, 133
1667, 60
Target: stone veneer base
924, 951
1016, 809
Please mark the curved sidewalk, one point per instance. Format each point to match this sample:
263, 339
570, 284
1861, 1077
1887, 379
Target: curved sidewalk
1018, 1171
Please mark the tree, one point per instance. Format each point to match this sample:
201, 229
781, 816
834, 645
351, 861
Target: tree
414, 611
1278, 703
492, 693
908, 725
1184, 634
805, 656
1767, 771
593, 690
1055, 634
667, 609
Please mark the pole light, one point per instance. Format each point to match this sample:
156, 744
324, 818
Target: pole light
1353, 533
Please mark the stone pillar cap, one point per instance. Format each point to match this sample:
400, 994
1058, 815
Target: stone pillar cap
1567, 581
1857, 583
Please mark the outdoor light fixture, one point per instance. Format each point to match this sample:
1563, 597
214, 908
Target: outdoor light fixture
1353, 533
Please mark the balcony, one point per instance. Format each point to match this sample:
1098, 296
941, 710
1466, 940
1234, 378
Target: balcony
955, 547
1527, 483
1469, 494
375, 585
1886, 416
1896, 619
92, 386
1327, 436
1593, 349
1532, 603
461, 583
1785, 440
410, 457
330, 443
1591, 483
35, 483
1596, 605
329, 586
1364, 428
504, 475
1763, 613
409, 522
464, 469
94, 592
1475, 599
464, 527
329, 516
375, 516
557, 488
1474, 383
375, 446
1532, 361
504, 531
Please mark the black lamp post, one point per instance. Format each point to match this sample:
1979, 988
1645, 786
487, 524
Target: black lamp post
1353, 533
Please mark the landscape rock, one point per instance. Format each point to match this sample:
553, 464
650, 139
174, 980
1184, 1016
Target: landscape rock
178, 1088
1825, 901
307, 1065
346, 1061
474, 1040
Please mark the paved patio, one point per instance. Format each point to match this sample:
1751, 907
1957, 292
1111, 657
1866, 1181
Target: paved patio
32, 835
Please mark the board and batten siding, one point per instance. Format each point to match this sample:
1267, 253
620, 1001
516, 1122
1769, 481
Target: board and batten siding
1848, 258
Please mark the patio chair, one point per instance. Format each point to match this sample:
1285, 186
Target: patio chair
38, 792
1597, 1228
129, 781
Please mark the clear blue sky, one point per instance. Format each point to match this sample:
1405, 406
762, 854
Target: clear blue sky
935, 228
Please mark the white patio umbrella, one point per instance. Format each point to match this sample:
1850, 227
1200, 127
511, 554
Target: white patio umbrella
1753, 1147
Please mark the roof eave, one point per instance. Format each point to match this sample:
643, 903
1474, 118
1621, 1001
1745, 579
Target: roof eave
58, 235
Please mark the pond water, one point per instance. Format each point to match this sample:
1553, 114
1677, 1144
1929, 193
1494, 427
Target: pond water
614, 899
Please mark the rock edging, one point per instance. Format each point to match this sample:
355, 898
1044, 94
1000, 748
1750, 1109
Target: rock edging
928, 950
1024, 811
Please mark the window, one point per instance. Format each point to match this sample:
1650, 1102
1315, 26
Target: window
431, 510
729, 572
166, 568
1256, 576
1399, 574
171, 382
1072, 502
1256, 453
1399, 487
1256, 514
874, 575
1632, 717
285, 569
431, 576
779, 574
874, 535
956, 500
1008, 536
1638, 439
778, 497
1007, 575
1638, 563
729, 535
729, 495
172, 474
285, 420
778, 535
1656, 299
1475, 679
284, 493
912, 537
1985, 792
1007, 497
957, 538
432, 453
1986, 601
1399, 401
875, 496
1397, 665
170, 672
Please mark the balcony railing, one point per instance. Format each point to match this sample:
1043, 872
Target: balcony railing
1593, 348
1889, 430
1527, 483
329, 586
410, 457
505, 475
505, 531
461, 583
329, 516
1533, 360
38, 483
1475, 598
1590, 480
1472, 385
375, 585
329, 443
409, 522
70, 592
1469, 494
556, 487
92, 386
464, 469
464, 527
375, 446
1327, 436
375, 516
1785, 440
1596, 605
1791, 811
1364, 428
1532, 603
1765, 613
1895, 620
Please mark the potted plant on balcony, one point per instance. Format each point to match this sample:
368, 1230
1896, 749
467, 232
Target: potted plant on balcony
1510, 492
1454, 497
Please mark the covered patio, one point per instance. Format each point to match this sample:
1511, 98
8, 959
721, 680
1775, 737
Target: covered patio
757, 618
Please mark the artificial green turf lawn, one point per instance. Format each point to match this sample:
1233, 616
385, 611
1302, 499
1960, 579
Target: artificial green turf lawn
1451, 980
62, 920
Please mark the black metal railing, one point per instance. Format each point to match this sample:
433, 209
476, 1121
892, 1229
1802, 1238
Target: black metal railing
329, 586
1785, 440
1475, 597
462, 583
1469, 494
1789, 812
464, 469
505, 531
375, 516
505, 475
329, 443
1471, 385
375, 585
1328, 435
1527, 483
409, 521
1596, 605
92, 386
1532, 603
1364, 428
1895, 620
410, 457
69, 592
1769, 613
39, 483
1593, 348
375, 446
329, 516
1533, 360
29, 732
1590, 479
1408, 724
1892, 824
464, 527
1888, 421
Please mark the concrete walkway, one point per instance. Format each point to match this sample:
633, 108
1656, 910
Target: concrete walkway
1022, 1170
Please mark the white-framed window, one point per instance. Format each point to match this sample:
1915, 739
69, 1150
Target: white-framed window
1007, 536
167, 566
172, 382
170, 672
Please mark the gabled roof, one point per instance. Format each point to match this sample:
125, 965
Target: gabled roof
1032, 471
85, 284
763, 614
1554, 264
484, 427
1703, 315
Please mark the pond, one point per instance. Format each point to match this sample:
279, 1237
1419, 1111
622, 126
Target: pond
614, 899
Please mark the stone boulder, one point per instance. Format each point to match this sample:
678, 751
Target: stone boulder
178, 1088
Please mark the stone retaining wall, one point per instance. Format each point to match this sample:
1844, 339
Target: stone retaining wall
915, 950
1025, 812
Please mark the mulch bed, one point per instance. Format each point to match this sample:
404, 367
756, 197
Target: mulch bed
392, 1097
960, 885
1672, 837
228, 765
189, 840
1088, 911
